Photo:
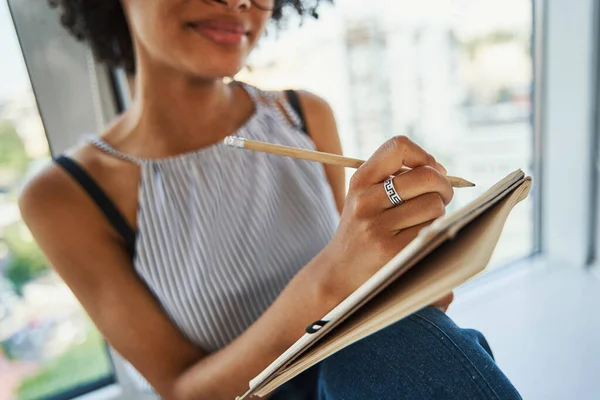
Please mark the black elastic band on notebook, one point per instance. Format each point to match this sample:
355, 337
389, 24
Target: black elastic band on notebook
294, 100
106, 205
315, 326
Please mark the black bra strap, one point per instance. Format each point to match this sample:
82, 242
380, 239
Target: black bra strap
105, 204
294, 100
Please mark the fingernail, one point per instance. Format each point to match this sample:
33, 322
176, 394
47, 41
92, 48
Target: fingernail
441, 168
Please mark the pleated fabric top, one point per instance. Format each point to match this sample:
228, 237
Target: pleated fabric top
221, 231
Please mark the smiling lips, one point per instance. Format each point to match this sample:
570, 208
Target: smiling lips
221, 32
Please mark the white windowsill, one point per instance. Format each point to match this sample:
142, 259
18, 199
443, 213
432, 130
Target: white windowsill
541, 320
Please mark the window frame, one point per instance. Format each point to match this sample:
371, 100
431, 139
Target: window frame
84, 389
537, 55
595, 232
566, 115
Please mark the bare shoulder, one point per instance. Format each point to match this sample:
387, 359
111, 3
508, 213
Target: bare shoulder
49, 192
52, 201
50, 204
52, 190
316, 109
315, 105
319, 118
320, 122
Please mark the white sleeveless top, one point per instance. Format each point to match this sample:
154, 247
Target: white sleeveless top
221, 230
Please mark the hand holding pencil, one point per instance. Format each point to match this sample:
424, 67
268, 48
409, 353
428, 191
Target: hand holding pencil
325, 158
383, 211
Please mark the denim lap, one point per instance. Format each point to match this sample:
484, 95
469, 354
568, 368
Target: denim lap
424, 356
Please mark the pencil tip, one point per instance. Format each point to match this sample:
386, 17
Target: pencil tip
463, 183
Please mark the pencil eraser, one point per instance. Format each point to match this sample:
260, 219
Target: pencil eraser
234, 141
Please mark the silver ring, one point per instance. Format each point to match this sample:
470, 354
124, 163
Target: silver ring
390, 190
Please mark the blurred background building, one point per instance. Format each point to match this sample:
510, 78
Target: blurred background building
454, 76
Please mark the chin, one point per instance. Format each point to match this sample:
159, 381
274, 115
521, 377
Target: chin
215, 66
216, 73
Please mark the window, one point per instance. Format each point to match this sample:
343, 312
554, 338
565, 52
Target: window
455, 76
48, 345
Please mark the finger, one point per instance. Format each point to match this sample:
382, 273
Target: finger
413, 184
405, 236
441, 168
423, 180
417, 211
444, 302
402, 238
437, 166
390, 158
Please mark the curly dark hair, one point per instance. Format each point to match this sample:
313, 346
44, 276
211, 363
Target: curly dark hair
102, 24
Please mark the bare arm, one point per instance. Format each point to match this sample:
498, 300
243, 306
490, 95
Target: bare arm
88, 255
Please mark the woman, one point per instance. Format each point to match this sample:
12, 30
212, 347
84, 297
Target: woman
200, 264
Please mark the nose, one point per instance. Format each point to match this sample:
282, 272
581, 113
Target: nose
240, 5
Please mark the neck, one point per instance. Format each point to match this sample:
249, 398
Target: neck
173, 113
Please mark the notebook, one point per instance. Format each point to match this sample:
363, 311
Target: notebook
446, 254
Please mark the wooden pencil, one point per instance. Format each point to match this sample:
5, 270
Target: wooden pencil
318, 156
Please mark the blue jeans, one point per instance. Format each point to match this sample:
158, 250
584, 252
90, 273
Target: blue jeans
423, 356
